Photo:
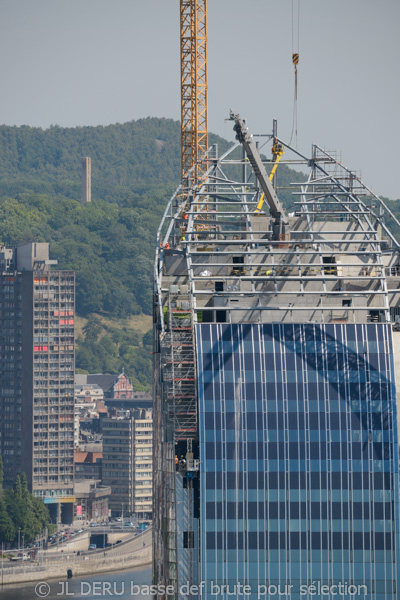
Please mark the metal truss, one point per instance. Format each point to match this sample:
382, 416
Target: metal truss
336, 259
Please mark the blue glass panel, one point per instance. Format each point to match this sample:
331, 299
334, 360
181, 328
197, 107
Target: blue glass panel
299, 462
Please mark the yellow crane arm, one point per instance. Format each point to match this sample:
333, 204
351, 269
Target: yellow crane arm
278, 155
194, 86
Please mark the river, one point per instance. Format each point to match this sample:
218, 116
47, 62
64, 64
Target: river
133, 584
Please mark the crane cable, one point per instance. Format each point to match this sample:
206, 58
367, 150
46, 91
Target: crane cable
295, 60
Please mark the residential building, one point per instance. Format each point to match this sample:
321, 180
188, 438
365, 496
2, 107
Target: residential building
37, 375
139, 400
88, 465
127, 463
88, 395
118, 463
143, 465
89, 404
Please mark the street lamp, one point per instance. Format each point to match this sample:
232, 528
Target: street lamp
19, 537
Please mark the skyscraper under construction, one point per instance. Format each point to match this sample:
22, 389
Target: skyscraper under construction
275, 427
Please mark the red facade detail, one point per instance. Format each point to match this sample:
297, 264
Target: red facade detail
122, 387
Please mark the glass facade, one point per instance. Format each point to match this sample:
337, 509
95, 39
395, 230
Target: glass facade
299, 461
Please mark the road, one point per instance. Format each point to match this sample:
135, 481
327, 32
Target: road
126, 546
133, 544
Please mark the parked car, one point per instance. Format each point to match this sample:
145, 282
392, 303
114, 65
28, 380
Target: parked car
92, 547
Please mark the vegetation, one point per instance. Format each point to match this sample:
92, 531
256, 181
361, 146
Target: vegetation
109, 243
106, 346
22, 515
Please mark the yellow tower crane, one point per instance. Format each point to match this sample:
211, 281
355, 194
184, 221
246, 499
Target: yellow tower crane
194, 97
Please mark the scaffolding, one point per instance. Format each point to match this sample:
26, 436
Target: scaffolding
179, 374
176, 403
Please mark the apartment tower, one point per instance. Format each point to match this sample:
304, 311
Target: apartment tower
143, 465
128, 462
118, 463
37, 375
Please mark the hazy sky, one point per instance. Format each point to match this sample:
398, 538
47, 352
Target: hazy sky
91, 62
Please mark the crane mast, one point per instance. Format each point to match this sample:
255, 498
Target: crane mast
194, 97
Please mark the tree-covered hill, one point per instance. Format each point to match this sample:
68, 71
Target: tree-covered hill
132, 156
109, 242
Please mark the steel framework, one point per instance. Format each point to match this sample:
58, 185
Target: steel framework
332, 255
194, 119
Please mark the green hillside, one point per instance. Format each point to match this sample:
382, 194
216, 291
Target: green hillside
130, 156
109, 242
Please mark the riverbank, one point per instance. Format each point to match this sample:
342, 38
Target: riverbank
70, 566
120, 584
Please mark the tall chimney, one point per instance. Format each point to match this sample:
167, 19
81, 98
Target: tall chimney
86, 180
